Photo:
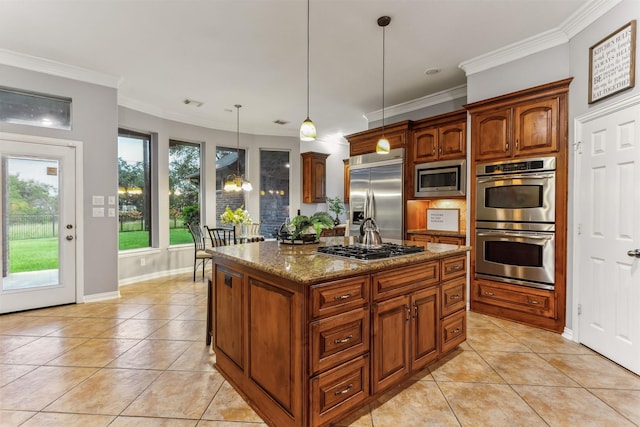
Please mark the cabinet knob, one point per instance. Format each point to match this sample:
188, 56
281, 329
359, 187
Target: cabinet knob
455, 331
341, 297
489, 294
454, 297
530, 301
344, 391
506, 147
344, 340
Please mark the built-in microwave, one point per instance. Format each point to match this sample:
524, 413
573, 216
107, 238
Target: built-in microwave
440, 179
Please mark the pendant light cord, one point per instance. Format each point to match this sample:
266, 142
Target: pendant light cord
308, 45
238, 139
383, 38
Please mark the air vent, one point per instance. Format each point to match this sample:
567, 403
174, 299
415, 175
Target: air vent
193, 102
280, 122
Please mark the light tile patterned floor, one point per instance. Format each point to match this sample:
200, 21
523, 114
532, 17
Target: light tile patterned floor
141, 361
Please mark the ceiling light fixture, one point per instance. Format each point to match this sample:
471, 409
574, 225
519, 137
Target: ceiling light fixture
308, 128
383, 146
237, 182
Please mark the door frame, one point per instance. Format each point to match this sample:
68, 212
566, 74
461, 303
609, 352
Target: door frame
578, 122
79, 187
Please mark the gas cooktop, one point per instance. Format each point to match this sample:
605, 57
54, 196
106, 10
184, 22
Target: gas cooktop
360, 252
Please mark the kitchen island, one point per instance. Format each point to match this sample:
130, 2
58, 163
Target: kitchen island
307, 338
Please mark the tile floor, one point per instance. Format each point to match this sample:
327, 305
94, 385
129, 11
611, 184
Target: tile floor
141, 361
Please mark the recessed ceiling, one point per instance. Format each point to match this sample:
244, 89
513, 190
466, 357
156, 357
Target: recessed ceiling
253, 52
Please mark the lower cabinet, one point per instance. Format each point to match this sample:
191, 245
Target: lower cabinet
434, 238
308, 355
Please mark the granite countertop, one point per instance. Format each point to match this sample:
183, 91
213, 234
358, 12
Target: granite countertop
302, 264
438, 233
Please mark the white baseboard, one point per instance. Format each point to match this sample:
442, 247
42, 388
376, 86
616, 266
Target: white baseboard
154, 275
101, 297
568, 334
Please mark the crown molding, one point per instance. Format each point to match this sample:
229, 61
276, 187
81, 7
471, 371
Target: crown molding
33, 63
195, 120
419, 103
575, 23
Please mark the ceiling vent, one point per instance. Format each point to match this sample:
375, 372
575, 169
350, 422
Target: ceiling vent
193, 102
280, 122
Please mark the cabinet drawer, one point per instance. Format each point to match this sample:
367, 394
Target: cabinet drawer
339, 390
454, 331
453, 296
340, 296
403, 280
339, 338
455, 266
521, 298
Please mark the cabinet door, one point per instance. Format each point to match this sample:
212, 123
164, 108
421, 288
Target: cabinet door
228, 314
424, 327
490, 133
390, 342
347, 179
450, 240
421, 238
452, 141
314, 177
536, 127
425, 145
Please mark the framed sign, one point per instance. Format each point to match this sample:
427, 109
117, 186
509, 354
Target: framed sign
443, 219
612, 65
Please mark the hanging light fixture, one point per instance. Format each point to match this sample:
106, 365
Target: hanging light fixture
237, 182
308, 128
383, 146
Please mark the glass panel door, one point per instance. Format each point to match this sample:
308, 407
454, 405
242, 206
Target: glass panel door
38, 225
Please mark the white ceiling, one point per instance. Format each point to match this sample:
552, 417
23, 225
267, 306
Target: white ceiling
253, 52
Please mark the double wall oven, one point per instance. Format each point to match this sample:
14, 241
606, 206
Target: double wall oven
515, 221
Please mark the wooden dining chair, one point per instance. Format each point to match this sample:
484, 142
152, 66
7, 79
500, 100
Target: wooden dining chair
221, 236
200, 255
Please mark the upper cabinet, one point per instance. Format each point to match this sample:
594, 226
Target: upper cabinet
523, 124
347, 180
365, 142
439, 138
314, 177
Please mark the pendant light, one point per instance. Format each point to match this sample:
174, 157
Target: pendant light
308, 129
383, 146
237, 182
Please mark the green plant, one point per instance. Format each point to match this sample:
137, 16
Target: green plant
304, 225
191, 214
336, 206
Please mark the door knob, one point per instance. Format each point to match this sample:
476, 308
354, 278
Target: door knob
634, 253
69, 238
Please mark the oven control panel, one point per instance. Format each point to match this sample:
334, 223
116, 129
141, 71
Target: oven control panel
525, 165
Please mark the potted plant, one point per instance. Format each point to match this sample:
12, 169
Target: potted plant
337, 207
237, 218
307, 228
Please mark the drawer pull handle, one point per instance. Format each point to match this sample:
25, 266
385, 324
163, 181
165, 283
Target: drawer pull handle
530, 301
344, 340
454, 297
489, 294
455, 331
346, 390
341, 297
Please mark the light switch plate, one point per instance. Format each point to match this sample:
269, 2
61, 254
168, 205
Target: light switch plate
112, 200
98, 200
98, 212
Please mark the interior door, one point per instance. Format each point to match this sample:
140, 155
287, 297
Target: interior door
607, 269
38, 225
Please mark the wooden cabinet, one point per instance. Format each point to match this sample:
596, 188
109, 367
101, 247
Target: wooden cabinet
314, 177
529, 123
365, 142
306, 355
433, 238
347, 181
525, 124
431, 142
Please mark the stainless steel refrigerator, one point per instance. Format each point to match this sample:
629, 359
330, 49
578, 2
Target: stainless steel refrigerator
375, 191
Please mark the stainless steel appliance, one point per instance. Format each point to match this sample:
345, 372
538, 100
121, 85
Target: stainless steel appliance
364, 253
518, 190
519, 253
376, 192
440, 179
515, 222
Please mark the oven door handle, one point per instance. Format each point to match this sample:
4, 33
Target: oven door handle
492, 178
512, 234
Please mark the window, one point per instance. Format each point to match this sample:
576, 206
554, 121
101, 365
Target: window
134, 189
34, 109
184, 189
274, 190
227, 164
